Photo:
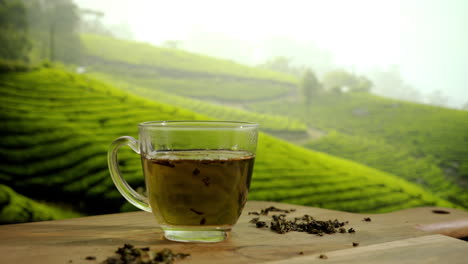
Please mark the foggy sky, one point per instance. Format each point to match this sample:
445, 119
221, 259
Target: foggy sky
426, 40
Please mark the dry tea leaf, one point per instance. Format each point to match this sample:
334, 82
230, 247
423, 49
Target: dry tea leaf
128, 254
440, 212
323, 256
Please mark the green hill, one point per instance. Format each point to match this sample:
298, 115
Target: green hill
425, 144
179, 61
162, 74
270, 123
183, 73
56, 127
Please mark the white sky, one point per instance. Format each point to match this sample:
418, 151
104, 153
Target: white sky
426, 39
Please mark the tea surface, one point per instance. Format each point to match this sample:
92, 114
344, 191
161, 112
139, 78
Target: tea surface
198, 187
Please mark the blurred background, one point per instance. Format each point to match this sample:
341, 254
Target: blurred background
363, 105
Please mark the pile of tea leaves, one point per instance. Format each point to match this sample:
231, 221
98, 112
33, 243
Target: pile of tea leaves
306, 223
128, 254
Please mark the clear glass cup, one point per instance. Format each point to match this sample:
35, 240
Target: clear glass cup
197, 175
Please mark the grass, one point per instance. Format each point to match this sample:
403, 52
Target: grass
56, 127
424, 144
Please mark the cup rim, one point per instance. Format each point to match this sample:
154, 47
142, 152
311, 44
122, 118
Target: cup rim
198, 124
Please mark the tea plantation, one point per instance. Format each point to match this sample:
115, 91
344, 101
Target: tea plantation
138, 53
57, 126
270, 123
425, 144
183, 73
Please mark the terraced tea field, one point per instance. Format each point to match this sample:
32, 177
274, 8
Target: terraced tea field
56, 127
425, 144
183, 73
181, 62
270, 123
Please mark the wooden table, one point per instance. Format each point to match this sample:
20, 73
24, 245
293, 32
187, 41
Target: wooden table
409, 236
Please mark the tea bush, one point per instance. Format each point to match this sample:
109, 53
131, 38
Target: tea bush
275, 123
15, 208
423, 144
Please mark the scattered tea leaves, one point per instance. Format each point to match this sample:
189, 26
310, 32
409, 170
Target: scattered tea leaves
202, 221
323, 256
254, 213
301, 253
196, 171
90, 258
355, 244
307, 223
128, 254
367, 219
440, 212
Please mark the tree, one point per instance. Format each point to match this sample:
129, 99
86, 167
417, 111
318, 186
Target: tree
54, 25
310, 88
391, 83
281, 64
14, 41
341, 80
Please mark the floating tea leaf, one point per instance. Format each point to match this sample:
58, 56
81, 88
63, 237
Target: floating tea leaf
195, 211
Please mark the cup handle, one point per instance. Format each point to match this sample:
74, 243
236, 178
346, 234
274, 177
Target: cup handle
124, 188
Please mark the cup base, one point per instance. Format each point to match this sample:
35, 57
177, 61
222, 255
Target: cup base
187, 235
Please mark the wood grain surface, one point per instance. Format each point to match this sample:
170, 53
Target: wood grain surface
406, 236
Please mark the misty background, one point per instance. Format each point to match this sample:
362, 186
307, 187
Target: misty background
412, 50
